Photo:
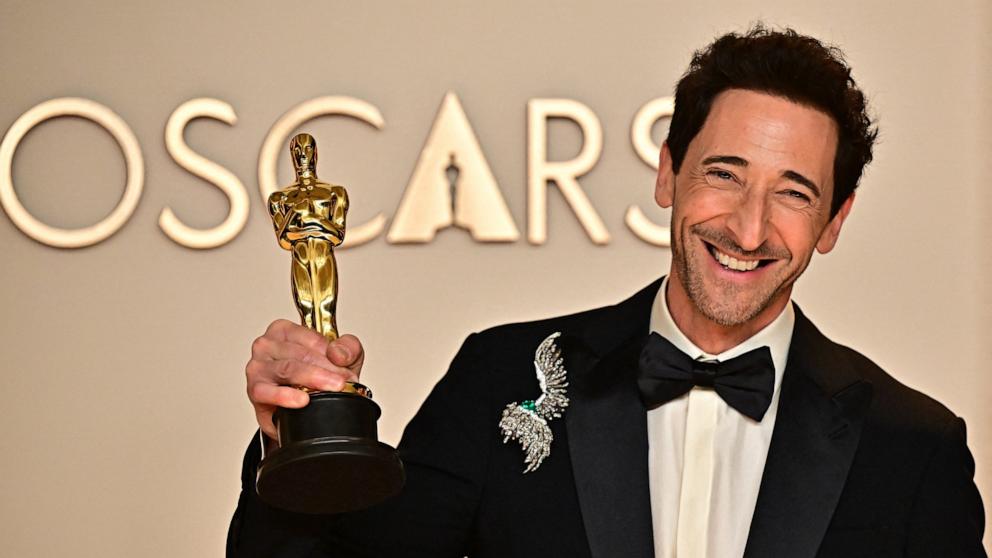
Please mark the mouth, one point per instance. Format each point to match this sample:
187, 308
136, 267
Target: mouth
736, 263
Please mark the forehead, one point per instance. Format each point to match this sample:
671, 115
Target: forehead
769, 131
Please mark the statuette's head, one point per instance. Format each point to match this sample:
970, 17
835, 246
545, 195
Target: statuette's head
303, 149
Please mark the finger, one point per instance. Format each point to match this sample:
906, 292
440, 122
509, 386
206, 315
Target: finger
264, 419
270, 349
296, 373
347, 352
285, 330
266, 397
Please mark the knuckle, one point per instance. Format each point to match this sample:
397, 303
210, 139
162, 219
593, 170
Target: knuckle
255, 392
254, 369
284, 369
259, 345
304, 356
278, 324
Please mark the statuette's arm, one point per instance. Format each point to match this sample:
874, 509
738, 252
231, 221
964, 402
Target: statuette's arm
280, 219
339, 197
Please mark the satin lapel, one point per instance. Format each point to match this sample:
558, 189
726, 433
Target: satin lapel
607, 430
820, 415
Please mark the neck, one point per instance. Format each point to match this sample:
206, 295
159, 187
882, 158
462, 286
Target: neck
708, 335
306, 172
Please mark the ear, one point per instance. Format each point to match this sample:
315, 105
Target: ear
828, 238
664, 187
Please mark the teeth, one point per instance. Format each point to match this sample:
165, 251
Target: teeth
733, 263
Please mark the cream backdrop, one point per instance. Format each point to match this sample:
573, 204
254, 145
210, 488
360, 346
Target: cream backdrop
124, 410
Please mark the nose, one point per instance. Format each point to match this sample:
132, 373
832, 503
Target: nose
748, 221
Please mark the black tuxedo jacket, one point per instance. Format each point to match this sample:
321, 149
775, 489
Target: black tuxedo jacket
859, 464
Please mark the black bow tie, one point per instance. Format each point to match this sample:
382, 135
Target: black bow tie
745, 382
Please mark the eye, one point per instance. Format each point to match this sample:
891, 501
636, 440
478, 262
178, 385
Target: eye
797, 196
718, 176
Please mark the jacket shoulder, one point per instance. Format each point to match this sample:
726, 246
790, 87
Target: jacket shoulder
526, 336
602, 326
896, 407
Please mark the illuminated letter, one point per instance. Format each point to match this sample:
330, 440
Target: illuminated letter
647, 150
275, 146
207, 170
135, 166
540, 171
427, 204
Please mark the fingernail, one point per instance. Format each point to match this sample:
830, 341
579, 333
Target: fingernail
341, 351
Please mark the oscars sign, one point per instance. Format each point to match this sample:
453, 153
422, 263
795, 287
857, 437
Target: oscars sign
427, 206
329, 459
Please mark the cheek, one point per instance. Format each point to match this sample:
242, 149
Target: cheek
703, 204
798, 231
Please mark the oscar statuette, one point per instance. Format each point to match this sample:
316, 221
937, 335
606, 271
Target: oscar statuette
328, 459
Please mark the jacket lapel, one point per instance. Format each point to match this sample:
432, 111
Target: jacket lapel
607, 428
821, 412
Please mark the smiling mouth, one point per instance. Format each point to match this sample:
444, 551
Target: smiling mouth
734, 264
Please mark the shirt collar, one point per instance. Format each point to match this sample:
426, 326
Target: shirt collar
777, 335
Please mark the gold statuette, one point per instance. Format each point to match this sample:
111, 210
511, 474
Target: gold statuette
329, 458
309, 218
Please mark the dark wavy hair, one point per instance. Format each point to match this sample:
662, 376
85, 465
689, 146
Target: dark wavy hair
786, 64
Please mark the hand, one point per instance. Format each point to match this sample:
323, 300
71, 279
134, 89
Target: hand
290, 355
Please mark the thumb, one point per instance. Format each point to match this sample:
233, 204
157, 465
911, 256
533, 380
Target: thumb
347, 352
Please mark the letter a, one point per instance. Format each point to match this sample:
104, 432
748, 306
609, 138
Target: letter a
427, 204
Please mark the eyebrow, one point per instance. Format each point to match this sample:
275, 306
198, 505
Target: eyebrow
725, 159
789, 174
796, 177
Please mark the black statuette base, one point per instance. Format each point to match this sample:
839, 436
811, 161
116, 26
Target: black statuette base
329, 458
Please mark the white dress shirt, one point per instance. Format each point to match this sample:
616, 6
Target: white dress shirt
739, 449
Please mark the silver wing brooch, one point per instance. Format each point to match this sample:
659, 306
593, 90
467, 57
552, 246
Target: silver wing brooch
527, 422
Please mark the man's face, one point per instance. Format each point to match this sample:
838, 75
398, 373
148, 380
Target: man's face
750, 203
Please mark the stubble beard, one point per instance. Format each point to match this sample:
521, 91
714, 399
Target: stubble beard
725, 303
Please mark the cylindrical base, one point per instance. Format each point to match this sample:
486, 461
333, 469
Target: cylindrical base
329, 459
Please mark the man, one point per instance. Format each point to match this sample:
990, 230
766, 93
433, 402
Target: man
706, 415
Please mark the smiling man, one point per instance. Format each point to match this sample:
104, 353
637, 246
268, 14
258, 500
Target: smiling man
703, 417
751, 199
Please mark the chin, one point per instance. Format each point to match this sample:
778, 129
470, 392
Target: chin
728, 313
729, 303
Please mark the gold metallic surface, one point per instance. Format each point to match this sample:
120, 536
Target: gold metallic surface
291, 120
309, 220
349, 387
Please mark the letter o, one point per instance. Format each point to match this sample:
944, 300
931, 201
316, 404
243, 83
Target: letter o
135, 165
275, 141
